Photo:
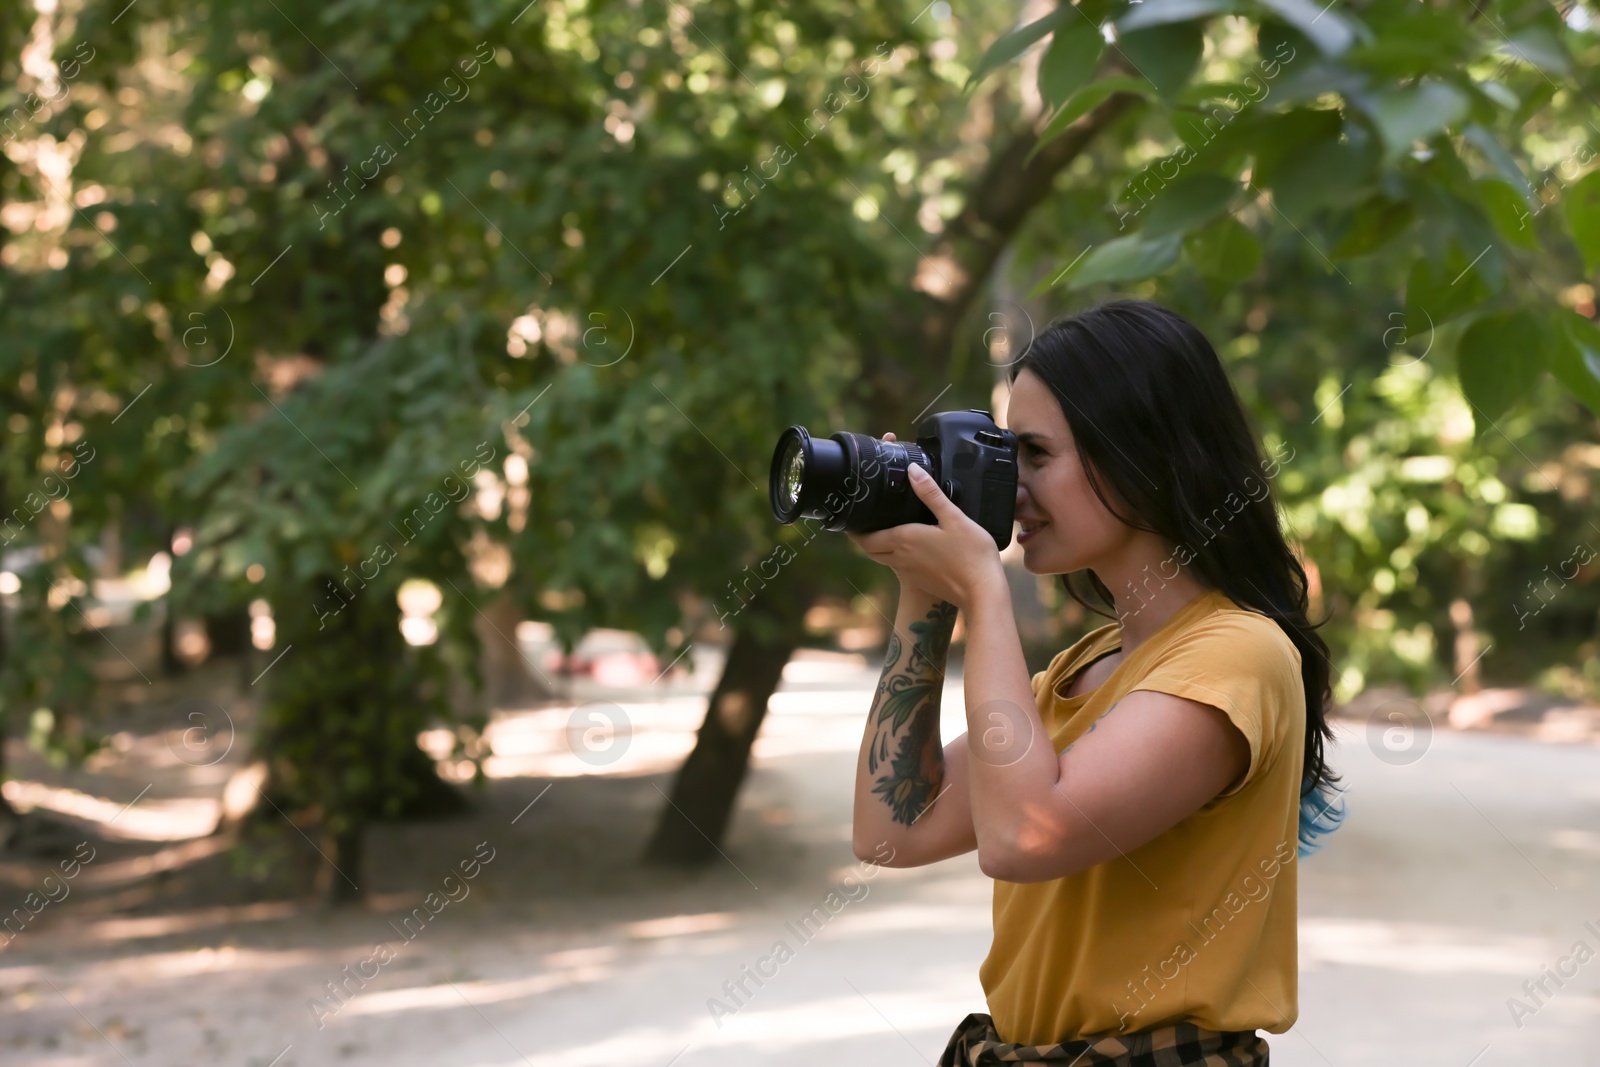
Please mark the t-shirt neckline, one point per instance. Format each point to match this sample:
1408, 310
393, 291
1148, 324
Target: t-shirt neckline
1178, 616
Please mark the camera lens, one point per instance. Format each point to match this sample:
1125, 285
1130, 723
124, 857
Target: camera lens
804, 471
792, 473
850, 481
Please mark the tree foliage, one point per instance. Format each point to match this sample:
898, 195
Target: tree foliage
515, 299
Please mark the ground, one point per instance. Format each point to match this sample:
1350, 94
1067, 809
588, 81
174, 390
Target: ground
1459, 876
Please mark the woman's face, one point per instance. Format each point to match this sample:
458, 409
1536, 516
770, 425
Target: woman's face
1064, 526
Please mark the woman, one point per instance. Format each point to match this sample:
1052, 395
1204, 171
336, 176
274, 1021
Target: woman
1142, 803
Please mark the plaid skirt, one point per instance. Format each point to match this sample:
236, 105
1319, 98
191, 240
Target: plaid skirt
976, 1044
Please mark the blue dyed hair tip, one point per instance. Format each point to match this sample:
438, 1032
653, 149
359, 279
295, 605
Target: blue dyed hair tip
1321, 812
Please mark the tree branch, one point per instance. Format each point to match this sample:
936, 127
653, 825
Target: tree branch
949, 279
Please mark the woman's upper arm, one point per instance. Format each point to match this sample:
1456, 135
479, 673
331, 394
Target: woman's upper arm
1153, 760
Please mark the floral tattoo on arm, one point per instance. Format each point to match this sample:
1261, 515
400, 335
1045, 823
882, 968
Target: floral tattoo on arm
906, 710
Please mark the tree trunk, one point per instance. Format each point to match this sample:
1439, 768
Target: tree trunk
8, 815
171, 665
339, 721
508, 680
347, 856
228, 632
703, 795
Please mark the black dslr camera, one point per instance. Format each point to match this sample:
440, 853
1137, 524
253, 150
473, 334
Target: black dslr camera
860, 483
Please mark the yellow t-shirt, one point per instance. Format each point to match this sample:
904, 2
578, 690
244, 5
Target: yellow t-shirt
1198, 924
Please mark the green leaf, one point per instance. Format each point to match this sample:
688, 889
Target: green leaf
1499, 358
1533, 102
1070, 60
1413, 39
1013, 44
1085, 100
1328, 31
1160, 12
1187, 203
1098, 11
1125, 259
1508, 211
1333, 170
1413, 113
1457, 228
1282, 137
1487, 143
1226, 252
1222, 139
1167, 54
1198, 93
1583, 215
1539, 46
1373, 224
1576, 360
1499, 94
1436, 293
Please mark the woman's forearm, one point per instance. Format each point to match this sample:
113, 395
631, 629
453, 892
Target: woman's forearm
1012, 762
900, 770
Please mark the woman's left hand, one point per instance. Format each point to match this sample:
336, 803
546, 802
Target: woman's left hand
955, 560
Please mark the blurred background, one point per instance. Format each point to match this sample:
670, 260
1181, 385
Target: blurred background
399, 662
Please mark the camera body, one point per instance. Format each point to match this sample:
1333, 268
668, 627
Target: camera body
855, 482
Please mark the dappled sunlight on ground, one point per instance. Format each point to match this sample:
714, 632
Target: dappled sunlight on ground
171, 819
820, 707
154, 926
1417, 948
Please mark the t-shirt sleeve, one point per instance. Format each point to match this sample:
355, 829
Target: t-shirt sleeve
1245, 666
1062, 662
1055, 669
1052, 671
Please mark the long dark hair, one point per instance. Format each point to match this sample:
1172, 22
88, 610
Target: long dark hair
1156, 419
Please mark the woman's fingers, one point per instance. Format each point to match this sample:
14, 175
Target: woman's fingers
888, 437
929, 493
